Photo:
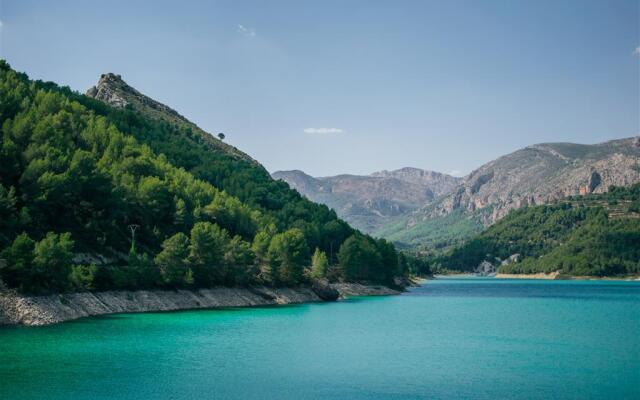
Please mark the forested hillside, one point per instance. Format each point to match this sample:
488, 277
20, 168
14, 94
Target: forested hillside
597, 234
76, 175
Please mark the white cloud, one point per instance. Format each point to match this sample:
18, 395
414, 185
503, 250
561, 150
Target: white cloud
637, 51
323, 131
455, 172
0, 23
248, 32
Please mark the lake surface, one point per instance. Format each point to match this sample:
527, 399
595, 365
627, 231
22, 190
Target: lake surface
449, 339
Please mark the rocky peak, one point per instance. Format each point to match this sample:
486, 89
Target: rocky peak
113, 90
110, 89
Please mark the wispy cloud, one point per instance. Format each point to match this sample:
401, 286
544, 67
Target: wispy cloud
455, 172
636, 52
0, 23
323, 131
246, 31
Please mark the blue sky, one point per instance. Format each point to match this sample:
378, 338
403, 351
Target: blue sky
354, 86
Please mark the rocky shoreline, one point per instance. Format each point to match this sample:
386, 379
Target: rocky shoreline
558, 276
17, 309
541, 275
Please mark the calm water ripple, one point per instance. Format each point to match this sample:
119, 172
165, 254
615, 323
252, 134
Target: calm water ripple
449, 339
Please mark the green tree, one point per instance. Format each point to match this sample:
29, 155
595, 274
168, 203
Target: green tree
52, 262
260, 249
172, 260
239, 261
288, 254
359, 259
82, 276
8, 213
18, 270
319, 264
389, 262
206, 253
181, 215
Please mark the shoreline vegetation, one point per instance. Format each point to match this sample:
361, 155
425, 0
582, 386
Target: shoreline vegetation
29, 310
543, 276
594, 235
558, 276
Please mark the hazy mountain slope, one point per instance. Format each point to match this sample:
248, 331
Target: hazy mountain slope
534, 175
371, 202
435, 182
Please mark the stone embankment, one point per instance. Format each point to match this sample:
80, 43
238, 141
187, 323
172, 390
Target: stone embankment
541, 275
44, 310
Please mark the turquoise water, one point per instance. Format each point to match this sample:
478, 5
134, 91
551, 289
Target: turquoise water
449, 339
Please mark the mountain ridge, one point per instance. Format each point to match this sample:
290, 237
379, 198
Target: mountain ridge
370, 201
113, 90
534, 175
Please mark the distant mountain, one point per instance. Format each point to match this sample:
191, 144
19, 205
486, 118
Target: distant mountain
535, 175
436, 183
373, 201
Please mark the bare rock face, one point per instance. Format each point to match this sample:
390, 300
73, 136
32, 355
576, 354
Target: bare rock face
594, 181
485, 268
370, 202
539, 174
110, 89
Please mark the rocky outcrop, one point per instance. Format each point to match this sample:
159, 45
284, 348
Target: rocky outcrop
358, 289
514, 258
107, 90
485, 268
44, 310
370, 202
324, 290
